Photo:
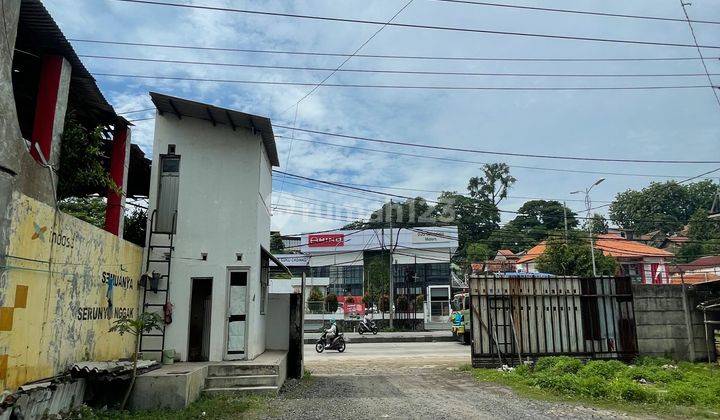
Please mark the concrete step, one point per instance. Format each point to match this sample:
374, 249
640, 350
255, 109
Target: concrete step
244, 390
241, 370
240, 381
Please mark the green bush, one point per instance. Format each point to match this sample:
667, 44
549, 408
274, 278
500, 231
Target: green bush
652, 361
595, 387
632, 391
566, 383
558, 365
605, 369
681, 394
653, 374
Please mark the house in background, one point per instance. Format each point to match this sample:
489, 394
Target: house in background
505, 261
643, 263
703, 270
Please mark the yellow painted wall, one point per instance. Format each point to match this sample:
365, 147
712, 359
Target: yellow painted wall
54, 289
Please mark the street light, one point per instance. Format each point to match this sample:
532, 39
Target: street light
588, 207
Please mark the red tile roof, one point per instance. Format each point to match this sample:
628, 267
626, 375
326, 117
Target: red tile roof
618, 247
612, 245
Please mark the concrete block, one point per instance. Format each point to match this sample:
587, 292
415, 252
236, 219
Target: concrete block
675, 348
174, 389
662, 331
660, 318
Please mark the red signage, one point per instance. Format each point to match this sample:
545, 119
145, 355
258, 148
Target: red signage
326, 240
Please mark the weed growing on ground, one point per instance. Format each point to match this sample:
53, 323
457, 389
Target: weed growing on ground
653, 382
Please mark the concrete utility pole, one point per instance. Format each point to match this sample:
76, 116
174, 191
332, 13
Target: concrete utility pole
588, 206
565, 220
390, 270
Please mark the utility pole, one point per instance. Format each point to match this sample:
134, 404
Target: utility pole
390, 269
565, 220
588, 207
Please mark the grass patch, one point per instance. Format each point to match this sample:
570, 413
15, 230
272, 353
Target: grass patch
221, 407
651, 384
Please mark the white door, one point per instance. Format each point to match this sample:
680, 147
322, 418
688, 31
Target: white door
237, 316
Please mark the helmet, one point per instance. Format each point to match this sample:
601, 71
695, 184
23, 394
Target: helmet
332, 320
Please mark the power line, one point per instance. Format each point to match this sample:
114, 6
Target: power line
367, 41
314, 88
384, 56
415, 26
136, 111
457, 149
408, 87
387, 71
702, 60
578, 12
474, 162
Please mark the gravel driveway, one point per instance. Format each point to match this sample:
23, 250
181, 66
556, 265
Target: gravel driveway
409, 387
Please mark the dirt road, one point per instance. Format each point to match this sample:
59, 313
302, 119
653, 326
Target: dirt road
408, 380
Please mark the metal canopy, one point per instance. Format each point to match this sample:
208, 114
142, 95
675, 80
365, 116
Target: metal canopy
38, 34
234, 119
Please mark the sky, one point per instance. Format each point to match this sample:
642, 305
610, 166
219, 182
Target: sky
681, 124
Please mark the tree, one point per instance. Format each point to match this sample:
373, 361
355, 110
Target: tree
415, 212
87, 209
548, 214
135, 227
597, 224
144, 323
384, 303
402, 303
419, 303
493, 185
376, 272
331, 302
477, 252
349, 300
512, 237
367, 300
81, 168
661, 206
704, 234
276, 243
315, 300
475, 218
574, 259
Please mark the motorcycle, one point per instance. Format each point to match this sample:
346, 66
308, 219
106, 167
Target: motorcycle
338, 344
369, 327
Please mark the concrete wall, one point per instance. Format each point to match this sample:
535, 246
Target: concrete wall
220, 212
662, 326
62, 286
277, 325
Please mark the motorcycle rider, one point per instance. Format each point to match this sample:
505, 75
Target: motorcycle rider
331, 334
367, 320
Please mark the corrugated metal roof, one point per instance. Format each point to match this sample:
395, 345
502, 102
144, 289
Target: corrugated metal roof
114, 366
235, 119
38, 32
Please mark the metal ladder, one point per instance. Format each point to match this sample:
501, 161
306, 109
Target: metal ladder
164, 274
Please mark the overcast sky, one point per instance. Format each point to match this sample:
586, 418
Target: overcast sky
660, 124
